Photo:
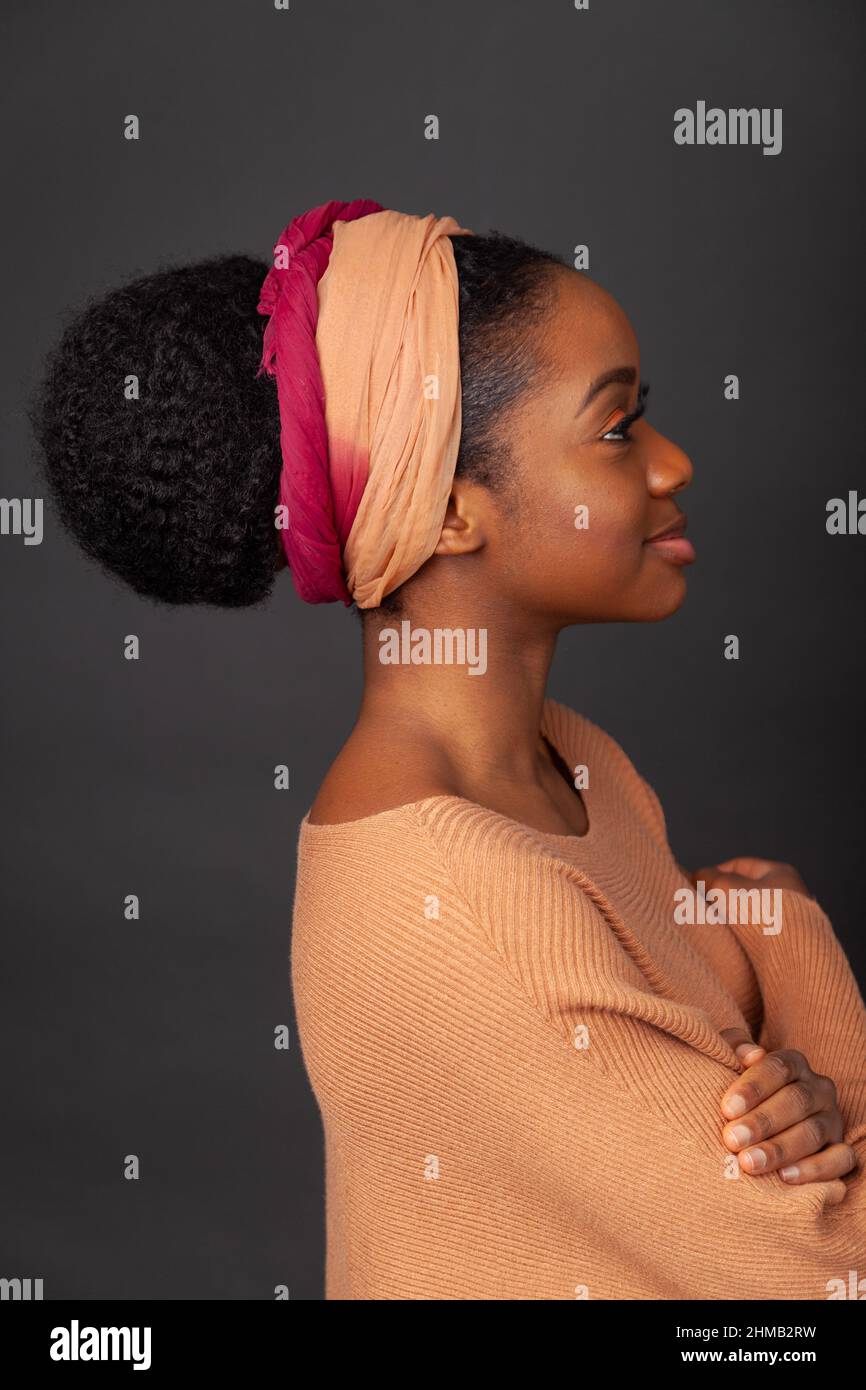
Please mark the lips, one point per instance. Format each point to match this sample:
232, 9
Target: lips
671, 543
675, 528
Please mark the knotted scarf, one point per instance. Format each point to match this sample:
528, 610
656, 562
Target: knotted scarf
362, 337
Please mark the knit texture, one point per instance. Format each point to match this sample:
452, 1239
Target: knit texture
516, 1054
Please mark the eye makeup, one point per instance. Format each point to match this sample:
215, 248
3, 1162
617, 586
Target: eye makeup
618, 433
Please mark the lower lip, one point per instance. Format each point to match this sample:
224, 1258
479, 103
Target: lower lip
674, 548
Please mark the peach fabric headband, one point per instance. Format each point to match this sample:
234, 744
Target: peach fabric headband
363, 341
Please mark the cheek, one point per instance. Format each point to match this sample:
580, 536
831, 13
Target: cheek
578, 529
603, 526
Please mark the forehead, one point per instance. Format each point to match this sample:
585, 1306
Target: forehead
586, 331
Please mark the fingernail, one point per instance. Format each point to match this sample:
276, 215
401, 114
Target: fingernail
734, 1106
754, 1160
741, 1134
792, 1172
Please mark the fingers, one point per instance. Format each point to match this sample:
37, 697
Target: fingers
745, 871
714, 876
774, 1070
786, 1122
789, 1145
833, 1162
748, 866
745, 1047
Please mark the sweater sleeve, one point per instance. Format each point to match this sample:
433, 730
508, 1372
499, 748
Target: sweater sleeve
812, 1002
626, 1125
810, 998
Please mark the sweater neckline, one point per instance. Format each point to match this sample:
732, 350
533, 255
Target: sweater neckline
559, 727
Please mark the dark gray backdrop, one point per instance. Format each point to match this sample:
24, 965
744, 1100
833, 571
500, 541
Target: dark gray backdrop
156, 777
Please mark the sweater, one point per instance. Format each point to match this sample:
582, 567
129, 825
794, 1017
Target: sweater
514, 1046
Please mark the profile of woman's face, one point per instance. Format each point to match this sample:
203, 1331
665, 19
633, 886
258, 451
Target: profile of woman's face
575, 463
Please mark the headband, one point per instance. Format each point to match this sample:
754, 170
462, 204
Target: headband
363, 341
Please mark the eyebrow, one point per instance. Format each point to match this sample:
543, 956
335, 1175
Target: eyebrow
624, 375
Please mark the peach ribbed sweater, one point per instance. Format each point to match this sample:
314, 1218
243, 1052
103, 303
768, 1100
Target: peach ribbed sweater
516, 1055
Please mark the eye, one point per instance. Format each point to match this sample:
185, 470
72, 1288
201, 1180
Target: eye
619, 433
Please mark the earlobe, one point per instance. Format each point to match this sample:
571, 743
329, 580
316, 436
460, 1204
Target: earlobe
463, 529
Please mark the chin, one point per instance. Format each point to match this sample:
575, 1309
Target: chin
666, 604
661, 602
638, 602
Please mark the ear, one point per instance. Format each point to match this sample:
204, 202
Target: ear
464, 528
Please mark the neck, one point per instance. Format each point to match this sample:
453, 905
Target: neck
469, 692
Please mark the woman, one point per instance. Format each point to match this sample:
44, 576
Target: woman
547, 1066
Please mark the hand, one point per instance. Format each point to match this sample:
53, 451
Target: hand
780, 1099
749, 872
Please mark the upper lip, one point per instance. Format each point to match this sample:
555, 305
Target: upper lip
673, 528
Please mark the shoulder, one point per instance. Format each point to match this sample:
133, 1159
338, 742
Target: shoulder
370, 776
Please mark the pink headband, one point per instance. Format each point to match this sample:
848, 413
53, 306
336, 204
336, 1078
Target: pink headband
320, 515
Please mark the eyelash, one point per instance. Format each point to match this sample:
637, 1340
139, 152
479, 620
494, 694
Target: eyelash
628, 420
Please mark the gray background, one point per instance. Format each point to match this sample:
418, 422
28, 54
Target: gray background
156, 777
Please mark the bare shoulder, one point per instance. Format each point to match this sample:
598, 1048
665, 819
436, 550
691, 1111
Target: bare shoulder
369, 775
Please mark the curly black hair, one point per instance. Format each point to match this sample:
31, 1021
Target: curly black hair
160, 445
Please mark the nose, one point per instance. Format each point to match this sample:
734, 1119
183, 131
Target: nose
668, 467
